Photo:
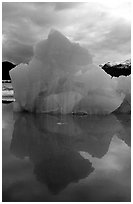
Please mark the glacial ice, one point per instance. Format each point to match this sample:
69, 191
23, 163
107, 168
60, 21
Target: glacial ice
61, 79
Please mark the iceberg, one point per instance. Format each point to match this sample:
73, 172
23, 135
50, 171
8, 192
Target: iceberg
62, 79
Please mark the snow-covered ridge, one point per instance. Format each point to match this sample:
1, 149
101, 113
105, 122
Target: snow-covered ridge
118, 68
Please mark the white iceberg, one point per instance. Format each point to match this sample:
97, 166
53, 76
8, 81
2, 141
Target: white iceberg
60, 78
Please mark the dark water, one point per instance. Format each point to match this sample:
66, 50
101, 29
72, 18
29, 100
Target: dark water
48, 158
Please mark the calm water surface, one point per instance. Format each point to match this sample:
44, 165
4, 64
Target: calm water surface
54, 158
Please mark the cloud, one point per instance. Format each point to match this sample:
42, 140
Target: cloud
66, 5
98, 25
119, 34
111, 41
17, 52
115, 44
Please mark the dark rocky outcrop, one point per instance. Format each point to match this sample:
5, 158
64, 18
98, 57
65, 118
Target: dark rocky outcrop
6, 67
117, 69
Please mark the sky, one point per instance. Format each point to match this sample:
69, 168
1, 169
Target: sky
102, 26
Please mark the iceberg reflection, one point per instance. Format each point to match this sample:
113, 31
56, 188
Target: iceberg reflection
53, 144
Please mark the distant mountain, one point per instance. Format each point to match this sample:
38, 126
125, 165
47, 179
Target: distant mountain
117, 69
6, 67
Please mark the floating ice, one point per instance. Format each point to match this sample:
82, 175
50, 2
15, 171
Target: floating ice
60, 78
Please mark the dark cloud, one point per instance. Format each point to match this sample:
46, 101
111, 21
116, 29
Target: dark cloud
66, 5
27, 19
17, 52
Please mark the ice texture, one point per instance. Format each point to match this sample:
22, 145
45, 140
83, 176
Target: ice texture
61, 79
